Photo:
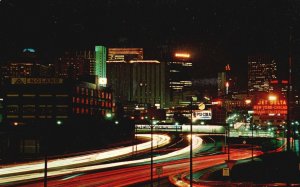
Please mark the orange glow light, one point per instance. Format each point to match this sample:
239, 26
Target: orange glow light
182, 55
272, 98
247, 101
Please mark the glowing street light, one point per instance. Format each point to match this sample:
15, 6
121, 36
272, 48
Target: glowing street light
58, 122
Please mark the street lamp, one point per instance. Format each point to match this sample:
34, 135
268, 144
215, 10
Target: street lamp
152, 125
252, 142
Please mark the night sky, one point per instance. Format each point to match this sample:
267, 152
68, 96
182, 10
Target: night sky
217, 32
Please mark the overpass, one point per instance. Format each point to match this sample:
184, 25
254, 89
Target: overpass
210, 129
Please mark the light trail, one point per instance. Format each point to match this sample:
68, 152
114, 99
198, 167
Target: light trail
137, 174
160, 140
236, 154
197, 142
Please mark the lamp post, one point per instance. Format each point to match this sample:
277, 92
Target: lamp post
252, 126
152, 125
288, 120
248, 102
228, 144
191, 143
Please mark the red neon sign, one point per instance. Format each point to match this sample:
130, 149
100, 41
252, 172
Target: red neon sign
267, 107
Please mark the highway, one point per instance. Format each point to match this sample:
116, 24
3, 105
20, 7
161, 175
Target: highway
24, 171
175, 165
38, 174
175, 170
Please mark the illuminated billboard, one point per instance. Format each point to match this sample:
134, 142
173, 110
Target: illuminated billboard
202, 115
270, 107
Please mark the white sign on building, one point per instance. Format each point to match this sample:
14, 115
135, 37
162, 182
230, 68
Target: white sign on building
202, 115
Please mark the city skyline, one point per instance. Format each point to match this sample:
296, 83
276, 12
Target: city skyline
149, 92
215, 33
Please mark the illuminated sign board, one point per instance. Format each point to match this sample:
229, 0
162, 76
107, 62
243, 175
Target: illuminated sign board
36, 81
202, 115
147, 126
270, 107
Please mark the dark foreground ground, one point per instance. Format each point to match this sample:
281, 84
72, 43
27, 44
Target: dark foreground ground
282, 167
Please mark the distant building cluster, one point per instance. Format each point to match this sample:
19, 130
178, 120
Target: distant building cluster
96, 82
263, 85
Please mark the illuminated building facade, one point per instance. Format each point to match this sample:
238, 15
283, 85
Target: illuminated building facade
87, 63
26, 70
269, 110
139, 81
119, 80
148, 82
125, 54
89, 56
179, 76
227, 83
221, 83
38, 101
72, 66
261, 70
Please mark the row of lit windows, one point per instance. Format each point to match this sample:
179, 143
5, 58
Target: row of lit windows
91, 101
90, 111
93, 93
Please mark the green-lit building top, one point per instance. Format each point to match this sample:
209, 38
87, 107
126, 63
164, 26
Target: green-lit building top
100, 65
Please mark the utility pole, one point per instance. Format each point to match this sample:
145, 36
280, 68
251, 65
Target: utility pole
152, 154
288, 135
228, 142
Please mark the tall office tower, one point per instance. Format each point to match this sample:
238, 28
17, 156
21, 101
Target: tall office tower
125, 54
138, 81
179, 76
148, 82
97, 63
261, 71
118, 79
221, 84
227, 83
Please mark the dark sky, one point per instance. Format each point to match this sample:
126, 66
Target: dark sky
217, 32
